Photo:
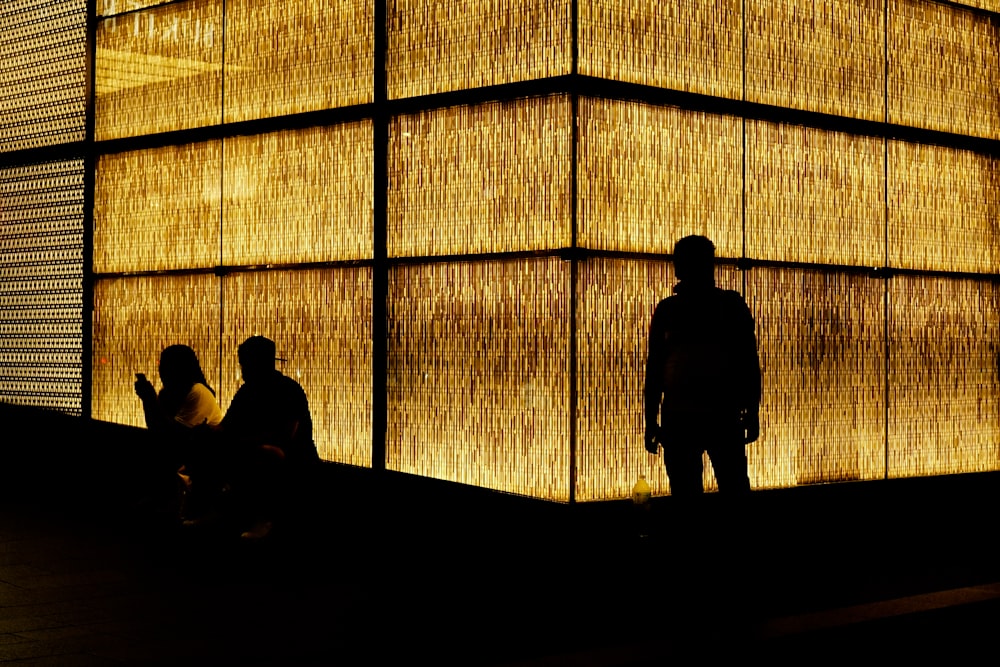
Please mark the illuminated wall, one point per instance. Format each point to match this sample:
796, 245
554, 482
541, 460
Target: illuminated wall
455, 219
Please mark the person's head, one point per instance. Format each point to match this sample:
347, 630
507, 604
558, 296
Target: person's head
257, 356
694, 259
179, 367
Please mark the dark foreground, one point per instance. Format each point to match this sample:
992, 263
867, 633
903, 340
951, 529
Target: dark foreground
386, 569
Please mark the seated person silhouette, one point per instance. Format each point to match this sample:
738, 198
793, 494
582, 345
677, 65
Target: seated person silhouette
268, 433
173, 415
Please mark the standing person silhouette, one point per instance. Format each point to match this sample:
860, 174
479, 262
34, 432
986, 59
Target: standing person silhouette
703, 380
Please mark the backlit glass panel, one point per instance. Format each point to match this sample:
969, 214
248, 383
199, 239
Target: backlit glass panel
649, 175
479, 374
297, 55
298, 196
944, 209
41, 285
159, 70
818, 55
447, 45
112, 7
43, 71
158, 209
820, 337
690, 45
491, 178
134, 319
944, 64
814, 196
320, 321
944, 410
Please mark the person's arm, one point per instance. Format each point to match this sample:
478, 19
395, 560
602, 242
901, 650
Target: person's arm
751, 379
653, 385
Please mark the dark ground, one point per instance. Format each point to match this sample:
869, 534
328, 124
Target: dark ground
391, 569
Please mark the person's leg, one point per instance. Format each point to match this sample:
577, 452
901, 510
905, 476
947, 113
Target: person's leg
682, 451
729, 462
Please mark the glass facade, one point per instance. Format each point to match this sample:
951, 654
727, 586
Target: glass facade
455, 219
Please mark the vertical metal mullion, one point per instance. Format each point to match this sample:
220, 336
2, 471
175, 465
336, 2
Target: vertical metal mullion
575, 258
380, 267
89, 176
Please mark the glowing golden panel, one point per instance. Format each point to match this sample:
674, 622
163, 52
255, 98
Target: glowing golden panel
446, 45
158, 209
134, 319
492, 178
43, 85
41, 285
615, 301
944, 409
814, 196
159, 70
320, 321
691, 45
479, 374
820, 338
299, 196
818, 55
649, 175
943, 68
944, 209
297, 55
112, 7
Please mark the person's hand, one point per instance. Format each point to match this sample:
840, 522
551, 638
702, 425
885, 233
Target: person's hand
144, 389
652, 439
751, 426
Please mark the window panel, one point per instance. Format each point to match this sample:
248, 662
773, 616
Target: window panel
944, 409
817, 55
491, 178
446, 45
41, 285
296, 56
650, 175
134, 319
478, 386
158, 209
944, 64
320, 321
690, 45
159, 70
814, 196
43, 85
820, 338
944, 209
299, 196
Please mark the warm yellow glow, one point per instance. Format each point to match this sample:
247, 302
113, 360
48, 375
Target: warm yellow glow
944, 409
820, 337
447, 45
297, 55
492, 178
158, 209
649, 175
111, 7
615, 301
299, 196
819, 55
479, 374
43, 89
691, 45
320, 321
41, 285
134, 319
943, 68
159, 70
814, 196
944, 209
